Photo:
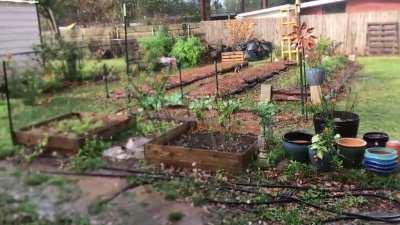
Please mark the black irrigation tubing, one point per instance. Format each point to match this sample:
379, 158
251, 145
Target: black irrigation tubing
122, 176
372, 195
296, 187
123, 190
341, 218
271, 202
354, 215
137, 172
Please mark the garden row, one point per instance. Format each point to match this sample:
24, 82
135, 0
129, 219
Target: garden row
235, 83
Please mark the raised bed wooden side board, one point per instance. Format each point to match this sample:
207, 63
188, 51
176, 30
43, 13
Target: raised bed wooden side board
64, 144
158, 151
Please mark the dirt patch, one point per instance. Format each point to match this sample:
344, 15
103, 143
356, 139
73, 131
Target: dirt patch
236, 83
192, 75
215, 141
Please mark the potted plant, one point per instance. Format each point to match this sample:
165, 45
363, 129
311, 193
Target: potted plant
345, 123
296, 145
322, 149
351, 151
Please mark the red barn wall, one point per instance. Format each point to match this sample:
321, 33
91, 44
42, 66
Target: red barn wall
355, 6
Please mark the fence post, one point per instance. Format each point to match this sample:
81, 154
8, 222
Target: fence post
10, 122
126, 39
180, 78
216, 78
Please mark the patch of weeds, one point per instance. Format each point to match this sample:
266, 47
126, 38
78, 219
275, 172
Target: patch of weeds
350, 202
296, 169
283, 215
176, 189
368, 179
35, 179
274, 156
96, 207
175, 216
89, 156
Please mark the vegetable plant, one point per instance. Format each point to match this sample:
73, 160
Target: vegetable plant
266, 111
187, 51
200, 106
153, 47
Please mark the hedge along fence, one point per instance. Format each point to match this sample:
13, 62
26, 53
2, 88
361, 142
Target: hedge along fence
348, 29
103, 33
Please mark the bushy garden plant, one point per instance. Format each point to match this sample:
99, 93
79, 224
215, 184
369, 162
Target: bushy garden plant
62, 58
153, 47
27, 84
187, 51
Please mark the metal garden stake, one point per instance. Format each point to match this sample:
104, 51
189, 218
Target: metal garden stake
10, 122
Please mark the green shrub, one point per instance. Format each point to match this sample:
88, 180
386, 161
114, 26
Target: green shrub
334, 63
154, 47
62, 58
187, 51
27, 85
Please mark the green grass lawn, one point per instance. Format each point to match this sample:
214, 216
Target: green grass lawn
378, 90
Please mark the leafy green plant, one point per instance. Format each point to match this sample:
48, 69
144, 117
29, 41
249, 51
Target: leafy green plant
225, 109
266, 111
78, 126
200, 106
175, 216
62, 58
27, 85
297, 169
89, 156
187, 51
324, 143
153, 47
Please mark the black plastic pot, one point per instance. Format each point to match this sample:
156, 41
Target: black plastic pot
345, 123
376, 139
296, 146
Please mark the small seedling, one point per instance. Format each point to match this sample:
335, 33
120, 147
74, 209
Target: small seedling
175, 216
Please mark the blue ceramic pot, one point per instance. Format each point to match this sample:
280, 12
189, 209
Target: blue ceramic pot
380, 160
315, 76
296, 145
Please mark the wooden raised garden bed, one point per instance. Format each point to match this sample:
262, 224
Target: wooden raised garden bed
68, 132
189, 147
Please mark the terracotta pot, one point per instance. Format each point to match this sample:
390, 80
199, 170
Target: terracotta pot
351, 150
394, 145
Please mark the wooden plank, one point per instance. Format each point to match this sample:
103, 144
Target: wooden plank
158, 151
316, 94
266, 93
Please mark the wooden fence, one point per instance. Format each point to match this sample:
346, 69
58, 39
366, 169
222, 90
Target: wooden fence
104, 33
348, 29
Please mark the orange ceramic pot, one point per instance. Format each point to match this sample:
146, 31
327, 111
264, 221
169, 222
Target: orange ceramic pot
394, 145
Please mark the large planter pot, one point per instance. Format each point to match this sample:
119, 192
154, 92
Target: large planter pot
376, 139
322, 165
296, 146
351, 151
315, 76
395, 145
345, 123
380, 160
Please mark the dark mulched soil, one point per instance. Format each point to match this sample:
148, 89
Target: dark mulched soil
238, 82
192, 75
216, 141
